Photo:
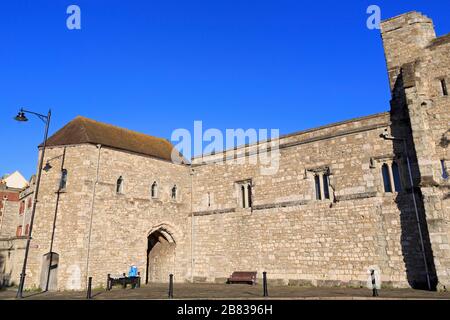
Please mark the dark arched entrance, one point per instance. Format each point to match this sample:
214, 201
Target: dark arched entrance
160, 256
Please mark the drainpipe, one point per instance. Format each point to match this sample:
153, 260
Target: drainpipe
25, 209
58, 193
192, 227
417, 216
99, 147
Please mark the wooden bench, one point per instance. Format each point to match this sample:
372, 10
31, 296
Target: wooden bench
243, 277
135, 282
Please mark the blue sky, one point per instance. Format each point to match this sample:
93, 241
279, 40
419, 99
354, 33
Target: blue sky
157, 65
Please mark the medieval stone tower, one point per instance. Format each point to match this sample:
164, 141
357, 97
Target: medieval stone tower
419, 72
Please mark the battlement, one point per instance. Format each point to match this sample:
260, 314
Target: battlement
405, 38
401, 20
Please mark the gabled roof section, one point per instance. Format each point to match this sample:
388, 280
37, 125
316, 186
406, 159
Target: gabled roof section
14, 180
82, 130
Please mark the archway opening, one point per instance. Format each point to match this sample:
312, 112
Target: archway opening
160, 256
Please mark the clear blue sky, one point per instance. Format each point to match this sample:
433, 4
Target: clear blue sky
157, 65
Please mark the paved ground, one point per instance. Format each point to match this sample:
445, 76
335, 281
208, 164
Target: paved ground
219, 291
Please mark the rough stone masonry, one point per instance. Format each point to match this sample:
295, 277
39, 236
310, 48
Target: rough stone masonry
341, 203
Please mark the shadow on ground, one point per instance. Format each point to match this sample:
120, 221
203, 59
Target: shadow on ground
220, 291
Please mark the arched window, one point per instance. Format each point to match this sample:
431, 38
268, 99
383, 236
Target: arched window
154, 190
386, 178
244, 204
317, 184
245, 194
326, 190
27, 229
119, 185
63, 181
444, 170
19, 231
249, 190
444, 87
396, 176
174, 192
22, 207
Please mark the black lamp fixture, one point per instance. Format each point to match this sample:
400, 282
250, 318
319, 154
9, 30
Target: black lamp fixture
21, 116
47, 167
46, 120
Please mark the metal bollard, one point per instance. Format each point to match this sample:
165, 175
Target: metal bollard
89, 289
266, 294
171, 286
374, 284
108, 282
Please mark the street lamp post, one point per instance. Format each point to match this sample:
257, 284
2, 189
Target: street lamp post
386, 136
46, 119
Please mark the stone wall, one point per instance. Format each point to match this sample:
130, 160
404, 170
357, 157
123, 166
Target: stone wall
293, 236
11, 260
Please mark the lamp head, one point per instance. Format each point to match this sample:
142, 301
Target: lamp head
21, 116
47, 167
385, 134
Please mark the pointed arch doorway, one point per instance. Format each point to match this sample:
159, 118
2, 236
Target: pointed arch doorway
160, 256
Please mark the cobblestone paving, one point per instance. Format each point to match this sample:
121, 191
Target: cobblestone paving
218, 291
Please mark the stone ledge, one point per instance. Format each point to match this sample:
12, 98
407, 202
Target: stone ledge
356, 196
281, 205
213, 212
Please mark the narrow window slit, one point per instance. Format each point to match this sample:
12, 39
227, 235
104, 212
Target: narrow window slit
386, 178
119, 185
326, 190
444, 170
317, 184
396, 176
444, 87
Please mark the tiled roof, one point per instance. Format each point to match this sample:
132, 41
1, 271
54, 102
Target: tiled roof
83, 130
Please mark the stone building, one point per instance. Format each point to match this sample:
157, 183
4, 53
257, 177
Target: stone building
14, 225
9, 208
368, 193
